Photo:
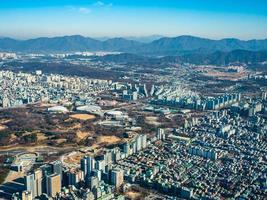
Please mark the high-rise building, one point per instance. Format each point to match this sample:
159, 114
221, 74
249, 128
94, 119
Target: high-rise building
53, 185
26, 195
126, 149
93, 182
100, 165
264, 95
138, 141
108, 157
160, 134
38, 176
30, 184
84, 165
117, 177
143, 141
47, 170
57, 168
87, 165
75, 176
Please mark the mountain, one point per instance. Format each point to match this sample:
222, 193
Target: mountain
166, 46
8, 44
145, 39
66, 44
190, 44
216, 58
61, 44
119, 44
142, 39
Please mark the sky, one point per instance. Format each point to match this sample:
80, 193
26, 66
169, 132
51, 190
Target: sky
215, 19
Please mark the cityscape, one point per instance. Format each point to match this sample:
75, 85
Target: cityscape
147, 112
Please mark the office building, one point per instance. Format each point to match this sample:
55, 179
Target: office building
117, 177
87, 165
30, 184
57, 168
38, 181
160, 134
75, 176
53, 185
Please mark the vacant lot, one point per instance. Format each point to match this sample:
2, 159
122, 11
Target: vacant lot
152, 121
2, 127
33, 126
108, 139
83, 117
133, 195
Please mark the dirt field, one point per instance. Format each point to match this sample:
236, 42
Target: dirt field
74, 158
108, 139
133, 195
82, 135
222, 75
41, 137
2, 127
152, 121
83, 117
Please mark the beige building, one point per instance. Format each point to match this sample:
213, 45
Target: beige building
53, 185
38, 181
117, 177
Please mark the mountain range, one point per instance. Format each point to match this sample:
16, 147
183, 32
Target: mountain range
216, 58
165, 46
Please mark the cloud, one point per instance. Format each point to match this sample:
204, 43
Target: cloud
84, 10
99, 3
102, 4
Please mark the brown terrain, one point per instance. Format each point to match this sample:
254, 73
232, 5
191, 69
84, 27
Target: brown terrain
33, 125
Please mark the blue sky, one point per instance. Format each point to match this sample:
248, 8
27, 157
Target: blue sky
244, 19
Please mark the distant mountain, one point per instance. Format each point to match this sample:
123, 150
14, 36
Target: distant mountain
119, 44
181, 45
66, 44
216, 58
190, 44
142, 39
145, 39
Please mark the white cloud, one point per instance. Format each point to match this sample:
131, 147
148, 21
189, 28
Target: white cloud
99, 3
102, 4
84, 10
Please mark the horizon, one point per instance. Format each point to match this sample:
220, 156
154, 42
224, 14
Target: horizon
130, 37
27, 19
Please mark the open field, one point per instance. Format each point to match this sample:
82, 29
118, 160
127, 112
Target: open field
2, 127
73, 158
108, 139
82, 135
83, 117
222, 73
152, 120
133, 195
34, 125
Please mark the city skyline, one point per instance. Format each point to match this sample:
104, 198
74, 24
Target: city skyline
133, 100
115, 18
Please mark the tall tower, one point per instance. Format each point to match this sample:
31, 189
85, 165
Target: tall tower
117, 177
38, 176
87, 165
57, 168
30, 184
53, 185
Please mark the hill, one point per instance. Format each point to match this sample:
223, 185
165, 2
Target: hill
181, 45
216, 58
